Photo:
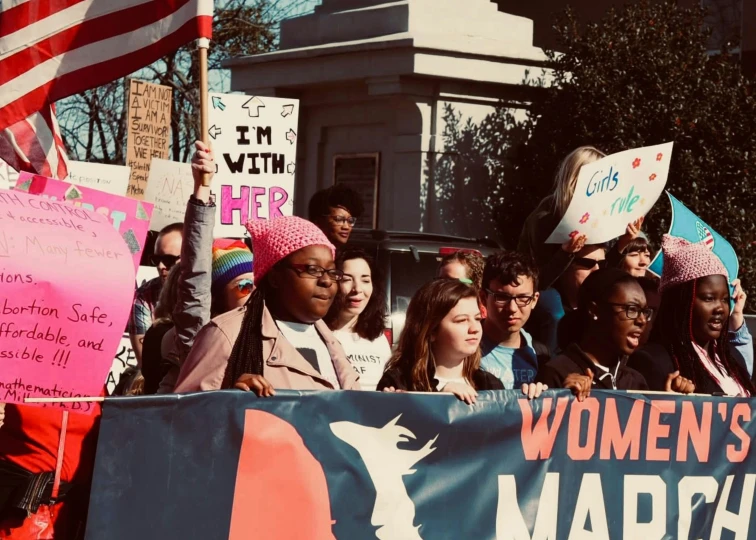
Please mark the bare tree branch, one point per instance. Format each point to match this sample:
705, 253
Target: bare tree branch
94, 123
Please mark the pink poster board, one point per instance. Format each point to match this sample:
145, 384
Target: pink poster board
66, 287
131, 218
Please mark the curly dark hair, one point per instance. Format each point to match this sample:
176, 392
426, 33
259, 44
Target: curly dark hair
372, 321
507, 266
472, 260
334, 197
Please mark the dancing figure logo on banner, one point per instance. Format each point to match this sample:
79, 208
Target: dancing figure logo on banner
612, 192
687, 225
254, 139
387, 464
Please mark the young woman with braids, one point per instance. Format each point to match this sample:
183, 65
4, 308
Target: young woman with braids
278, 339
439, 348
690, 332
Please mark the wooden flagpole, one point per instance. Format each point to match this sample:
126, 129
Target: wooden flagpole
203, 44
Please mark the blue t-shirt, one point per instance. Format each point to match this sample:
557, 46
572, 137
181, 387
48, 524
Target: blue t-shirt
513, 367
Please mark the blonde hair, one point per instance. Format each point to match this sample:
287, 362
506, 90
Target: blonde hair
566, 177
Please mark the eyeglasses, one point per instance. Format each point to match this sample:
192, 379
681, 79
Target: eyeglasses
588, 263
633, 311
318, 272
502, 299
244, 287
340, 220
167, 260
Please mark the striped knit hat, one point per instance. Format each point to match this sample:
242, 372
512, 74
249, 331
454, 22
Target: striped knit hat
685, 261
231, 258
275, 239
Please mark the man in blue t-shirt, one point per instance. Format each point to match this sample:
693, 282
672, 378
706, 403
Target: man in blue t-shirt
509, 292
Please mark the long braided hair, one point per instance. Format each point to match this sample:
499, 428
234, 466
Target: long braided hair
673, 329
247, 354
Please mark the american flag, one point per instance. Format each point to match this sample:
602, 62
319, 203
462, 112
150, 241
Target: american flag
34, 144
51, 49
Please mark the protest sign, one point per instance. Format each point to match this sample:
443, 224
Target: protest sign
255, 143
422, 466
113, 179
8, 175
146, 273
131, 218
685, 224
149, 131
170, 186
65, 295
125, 356
124, 359
614, 191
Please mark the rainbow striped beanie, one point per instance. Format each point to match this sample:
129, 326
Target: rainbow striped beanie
231, 258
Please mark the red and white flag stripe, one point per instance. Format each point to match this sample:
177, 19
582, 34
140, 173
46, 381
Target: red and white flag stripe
35, 145
51, 49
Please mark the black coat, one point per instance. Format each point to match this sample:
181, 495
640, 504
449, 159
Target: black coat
655, 363
394, 377
574, 360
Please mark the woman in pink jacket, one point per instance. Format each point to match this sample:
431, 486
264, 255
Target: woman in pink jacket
278, 340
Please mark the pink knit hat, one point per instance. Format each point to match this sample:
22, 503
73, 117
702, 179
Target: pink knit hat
275, 239
685, 261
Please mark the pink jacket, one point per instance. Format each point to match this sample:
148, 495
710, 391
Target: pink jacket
284, 367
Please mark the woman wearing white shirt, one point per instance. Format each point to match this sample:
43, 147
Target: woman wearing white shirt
358, 315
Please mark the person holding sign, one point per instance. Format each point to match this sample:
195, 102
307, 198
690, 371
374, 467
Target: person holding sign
606, 329
552, 259
633, 252
278, 340
562, 268
690, 335
335, 210
216, 275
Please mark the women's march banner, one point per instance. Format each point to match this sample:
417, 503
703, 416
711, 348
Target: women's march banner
129, 217
65, 296
686, 224
361, 465
255, 143
614, 191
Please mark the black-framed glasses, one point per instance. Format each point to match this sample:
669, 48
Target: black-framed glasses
588, 263
503, 299
633, 311
167, 260
340, 220
315, 271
